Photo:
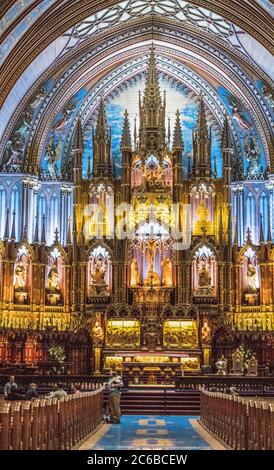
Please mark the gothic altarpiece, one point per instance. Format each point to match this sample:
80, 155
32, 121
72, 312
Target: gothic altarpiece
140, 301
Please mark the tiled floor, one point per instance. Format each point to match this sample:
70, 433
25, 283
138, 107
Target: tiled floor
149, 432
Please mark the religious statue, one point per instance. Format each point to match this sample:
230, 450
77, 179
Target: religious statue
53, 279
251, 278
52, 156
152, 278
97, 331
134, 273
202, 213
20, 276
252, 152
269, 96
98, 275
14, 153
204, 277
206, 332
154, 176
167, 280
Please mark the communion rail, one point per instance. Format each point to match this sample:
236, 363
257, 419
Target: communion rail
49, 424
241, 423
244, 384
46, 383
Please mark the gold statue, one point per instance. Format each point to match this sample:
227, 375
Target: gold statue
167, 280
98, 275
204, 277
134, 273
202, 213
97, 332
53, 279
206, 332
150, 253
152, 279
20, 276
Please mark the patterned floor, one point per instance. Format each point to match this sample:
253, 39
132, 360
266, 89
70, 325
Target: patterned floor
149, 433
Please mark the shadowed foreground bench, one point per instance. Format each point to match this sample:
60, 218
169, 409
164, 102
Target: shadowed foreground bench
45, 424
242, 423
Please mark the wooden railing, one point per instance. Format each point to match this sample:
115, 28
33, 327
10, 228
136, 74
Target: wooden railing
45, 383
241, 423
49, 424
260, 385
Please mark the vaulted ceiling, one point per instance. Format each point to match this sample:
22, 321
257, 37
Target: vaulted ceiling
52, 50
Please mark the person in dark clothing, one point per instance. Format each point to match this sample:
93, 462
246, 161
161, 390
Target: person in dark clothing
13, 393
32, 392
9, 384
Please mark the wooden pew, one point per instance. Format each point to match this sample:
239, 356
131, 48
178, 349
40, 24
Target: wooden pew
240, 422
48, 424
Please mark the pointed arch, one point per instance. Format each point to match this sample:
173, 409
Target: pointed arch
99, 271
204, 271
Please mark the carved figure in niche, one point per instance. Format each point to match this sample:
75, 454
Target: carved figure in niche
53, 279
206, 331
204, 277
268, 96
14, 151
98, 275
37, 100
52, 156
97, 331
25, 125
251, 278
252, 152
152, 278
202, 212
134, 273
20, 276
154, 176
167, 280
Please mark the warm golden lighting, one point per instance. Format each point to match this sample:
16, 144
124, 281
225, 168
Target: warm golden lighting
178, 333
123, 333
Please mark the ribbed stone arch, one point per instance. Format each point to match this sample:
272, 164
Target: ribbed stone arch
250, 104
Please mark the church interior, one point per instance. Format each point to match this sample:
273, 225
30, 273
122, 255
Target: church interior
137, 200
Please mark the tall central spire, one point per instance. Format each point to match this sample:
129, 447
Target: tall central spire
152, 95
152, 111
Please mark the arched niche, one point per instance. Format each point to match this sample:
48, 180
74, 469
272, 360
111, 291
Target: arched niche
99, 272
22, 276
204, 272
151, 262
136, 172
202, 200
99, 213
157, 174
250, 277
55, 278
